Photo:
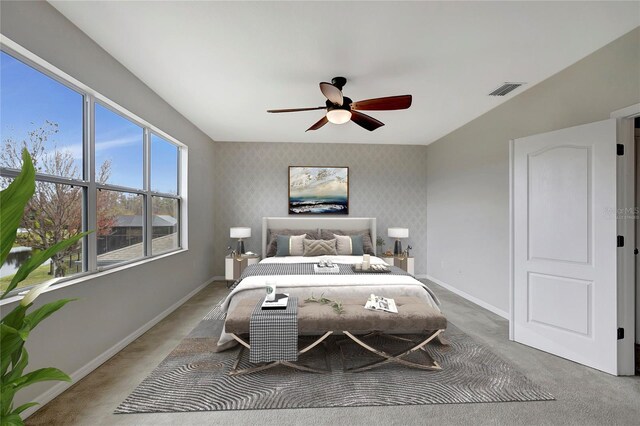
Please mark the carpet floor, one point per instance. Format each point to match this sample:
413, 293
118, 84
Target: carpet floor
193, 378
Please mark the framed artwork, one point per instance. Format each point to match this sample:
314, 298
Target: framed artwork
318, 190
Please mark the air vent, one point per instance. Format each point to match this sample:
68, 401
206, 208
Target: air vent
505, 88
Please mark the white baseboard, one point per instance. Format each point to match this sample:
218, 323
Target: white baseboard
60, 387
469, 297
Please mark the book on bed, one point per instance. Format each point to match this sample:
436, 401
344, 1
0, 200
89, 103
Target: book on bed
279, 302
379, 303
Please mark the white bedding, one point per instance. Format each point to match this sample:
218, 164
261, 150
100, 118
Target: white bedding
331, 286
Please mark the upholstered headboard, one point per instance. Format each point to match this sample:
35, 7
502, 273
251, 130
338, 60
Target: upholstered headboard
341, 223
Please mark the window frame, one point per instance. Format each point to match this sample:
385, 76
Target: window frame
88, 182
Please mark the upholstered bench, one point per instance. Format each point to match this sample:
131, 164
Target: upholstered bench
414, 317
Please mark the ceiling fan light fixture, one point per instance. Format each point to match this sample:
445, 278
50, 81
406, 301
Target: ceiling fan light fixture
341, 109
339, 116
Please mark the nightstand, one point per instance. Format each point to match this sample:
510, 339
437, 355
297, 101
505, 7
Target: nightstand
233, 266
405, 263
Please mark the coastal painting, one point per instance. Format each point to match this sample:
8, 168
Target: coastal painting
318, 190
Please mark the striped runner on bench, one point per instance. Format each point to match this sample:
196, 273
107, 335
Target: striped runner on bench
273, 333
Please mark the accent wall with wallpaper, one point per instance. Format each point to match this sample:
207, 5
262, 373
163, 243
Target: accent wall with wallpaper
385, 181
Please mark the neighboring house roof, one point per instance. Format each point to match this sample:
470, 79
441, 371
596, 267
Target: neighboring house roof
131, 221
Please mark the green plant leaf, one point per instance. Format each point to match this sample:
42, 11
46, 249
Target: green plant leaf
34, 318
11, 420
18, 367
15, 318
13, 201
40, 375
7, 331
10, 345
38, 258
6, 399
23, 407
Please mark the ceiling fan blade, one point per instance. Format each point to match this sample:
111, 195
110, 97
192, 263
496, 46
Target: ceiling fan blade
383, 104
365, 121
332, 93
319, 123
296, 109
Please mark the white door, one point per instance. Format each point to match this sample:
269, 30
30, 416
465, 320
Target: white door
564, 243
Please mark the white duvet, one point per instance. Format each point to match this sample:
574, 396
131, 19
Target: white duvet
330, 285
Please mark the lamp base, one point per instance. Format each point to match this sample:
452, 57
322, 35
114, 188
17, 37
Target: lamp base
240, 247
397, 249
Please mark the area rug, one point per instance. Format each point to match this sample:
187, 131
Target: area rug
194, 378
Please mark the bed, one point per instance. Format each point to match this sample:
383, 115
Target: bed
337, 287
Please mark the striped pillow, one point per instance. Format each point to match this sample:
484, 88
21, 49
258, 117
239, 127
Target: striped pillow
290, 245
349, 245
319, 247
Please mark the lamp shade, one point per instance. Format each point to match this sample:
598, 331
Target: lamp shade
339, 116
240, 232
398, 232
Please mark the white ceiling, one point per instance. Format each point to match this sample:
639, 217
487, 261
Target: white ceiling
223, 64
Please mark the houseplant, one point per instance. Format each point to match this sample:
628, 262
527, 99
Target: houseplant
16, 325
380, 243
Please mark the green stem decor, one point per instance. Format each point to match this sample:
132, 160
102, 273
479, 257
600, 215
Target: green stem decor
336, 305
17, 324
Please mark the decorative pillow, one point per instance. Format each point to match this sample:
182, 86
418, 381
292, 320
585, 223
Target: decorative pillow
272, 237
319, 247
367, 245
349, 245
290, 245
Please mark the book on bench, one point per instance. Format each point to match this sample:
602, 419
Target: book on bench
379, 303
279, 302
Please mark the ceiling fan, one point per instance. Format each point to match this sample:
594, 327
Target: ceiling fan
341, 109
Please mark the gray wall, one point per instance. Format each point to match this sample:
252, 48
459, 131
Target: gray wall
113, 306
468, 170
385, 181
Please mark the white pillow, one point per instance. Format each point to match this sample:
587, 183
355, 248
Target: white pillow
296, 245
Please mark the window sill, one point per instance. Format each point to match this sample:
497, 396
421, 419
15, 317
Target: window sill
63, 282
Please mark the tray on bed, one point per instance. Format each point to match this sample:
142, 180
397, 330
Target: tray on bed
371, 269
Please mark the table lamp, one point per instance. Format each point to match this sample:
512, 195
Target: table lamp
398, 233
240, 233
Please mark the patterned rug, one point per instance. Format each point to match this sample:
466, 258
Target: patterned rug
193, 378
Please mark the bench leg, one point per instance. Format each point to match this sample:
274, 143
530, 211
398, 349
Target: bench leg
235, 371
433, 365
443, 341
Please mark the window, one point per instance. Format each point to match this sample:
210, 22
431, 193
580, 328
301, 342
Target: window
164, 166
134, 181
42, 114
52, 214
120, 227
165, 225
119, 149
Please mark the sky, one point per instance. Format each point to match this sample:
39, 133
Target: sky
28, 98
